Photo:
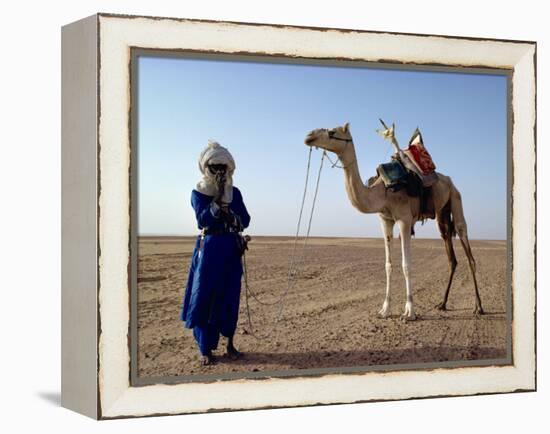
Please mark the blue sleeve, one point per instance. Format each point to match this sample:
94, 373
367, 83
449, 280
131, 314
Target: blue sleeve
206, 210
238, 207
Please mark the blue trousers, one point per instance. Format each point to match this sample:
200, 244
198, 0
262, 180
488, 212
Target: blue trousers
208, 336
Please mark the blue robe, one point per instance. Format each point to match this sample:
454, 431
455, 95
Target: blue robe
212, 295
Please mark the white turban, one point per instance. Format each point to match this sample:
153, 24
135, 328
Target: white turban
214, 153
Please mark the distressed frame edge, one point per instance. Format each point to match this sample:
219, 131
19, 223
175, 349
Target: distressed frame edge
530, 386
79, 123
316, 28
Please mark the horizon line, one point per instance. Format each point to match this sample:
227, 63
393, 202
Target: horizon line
311, 236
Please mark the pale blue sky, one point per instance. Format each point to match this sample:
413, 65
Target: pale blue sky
262, 111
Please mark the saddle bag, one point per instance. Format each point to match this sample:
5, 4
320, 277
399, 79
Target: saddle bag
393, 174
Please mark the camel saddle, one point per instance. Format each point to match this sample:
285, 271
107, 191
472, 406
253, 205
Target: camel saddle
397, 177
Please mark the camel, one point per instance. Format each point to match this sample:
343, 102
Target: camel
403, 210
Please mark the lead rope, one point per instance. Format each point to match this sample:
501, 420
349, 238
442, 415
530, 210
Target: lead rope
292, 273
293, 256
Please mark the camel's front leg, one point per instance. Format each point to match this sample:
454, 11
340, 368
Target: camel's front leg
387, 229
405, 230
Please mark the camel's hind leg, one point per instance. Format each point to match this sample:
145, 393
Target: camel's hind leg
472, 263
462, 231
447, 232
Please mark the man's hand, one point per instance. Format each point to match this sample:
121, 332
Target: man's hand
219, 193
220, 183
218, 197
219, 171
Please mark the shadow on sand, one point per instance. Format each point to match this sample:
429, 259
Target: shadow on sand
364, 358
459, 315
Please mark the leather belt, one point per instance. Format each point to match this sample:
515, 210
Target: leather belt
218, 231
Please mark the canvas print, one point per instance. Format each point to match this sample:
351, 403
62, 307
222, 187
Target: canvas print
306, 218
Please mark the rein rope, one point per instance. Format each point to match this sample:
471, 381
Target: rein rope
294, 265
335, 163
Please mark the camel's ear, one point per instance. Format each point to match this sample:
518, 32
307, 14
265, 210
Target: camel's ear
346, 127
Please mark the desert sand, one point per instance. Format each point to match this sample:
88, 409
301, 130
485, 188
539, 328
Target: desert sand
329, 318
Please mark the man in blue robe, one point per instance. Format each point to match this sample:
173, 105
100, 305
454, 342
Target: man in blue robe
212, 295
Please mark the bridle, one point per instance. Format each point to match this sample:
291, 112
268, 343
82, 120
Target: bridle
332, 135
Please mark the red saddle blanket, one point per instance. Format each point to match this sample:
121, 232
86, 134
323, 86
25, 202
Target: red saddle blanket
419, 155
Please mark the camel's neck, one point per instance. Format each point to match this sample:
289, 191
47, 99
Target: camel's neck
364, 199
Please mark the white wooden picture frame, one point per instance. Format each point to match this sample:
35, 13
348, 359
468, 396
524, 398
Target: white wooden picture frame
96, 213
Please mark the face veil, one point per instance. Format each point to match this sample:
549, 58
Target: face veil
214, 154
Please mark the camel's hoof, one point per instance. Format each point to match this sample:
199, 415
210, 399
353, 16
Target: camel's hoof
478, 311
383, 314
407, 317
441, 306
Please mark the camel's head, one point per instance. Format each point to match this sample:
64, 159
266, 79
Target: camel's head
334, 140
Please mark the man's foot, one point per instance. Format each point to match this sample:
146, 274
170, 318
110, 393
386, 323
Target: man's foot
232, 352
207, 359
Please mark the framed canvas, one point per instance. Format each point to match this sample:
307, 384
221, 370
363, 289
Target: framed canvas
318, 316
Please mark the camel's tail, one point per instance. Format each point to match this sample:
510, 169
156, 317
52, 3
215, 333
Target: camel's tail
452, 229
457, 220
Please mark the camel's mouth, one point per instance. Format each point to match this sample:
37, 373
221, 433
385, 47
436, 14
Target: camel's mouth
311, 137
309, 140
